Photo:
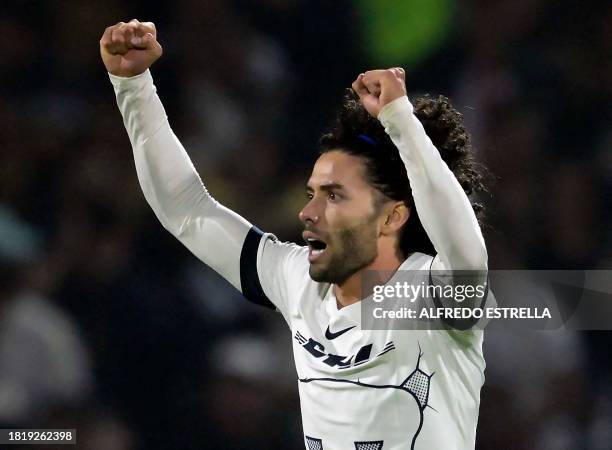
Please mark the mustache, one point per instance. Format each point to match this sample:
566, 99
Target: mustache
311, 228
316, 231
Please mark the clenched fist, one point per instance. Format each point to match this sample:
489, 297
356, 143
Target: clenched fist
128, 49
376, 88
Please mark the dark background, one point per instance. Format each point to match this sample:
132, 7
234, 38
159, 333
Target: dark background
108, 325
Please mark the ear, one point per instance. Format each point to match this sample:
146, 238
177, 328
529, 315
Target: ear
395, 218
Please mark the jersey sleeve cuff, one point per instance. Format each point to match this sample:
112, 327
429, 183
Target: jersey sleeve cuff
398, 106
135, 82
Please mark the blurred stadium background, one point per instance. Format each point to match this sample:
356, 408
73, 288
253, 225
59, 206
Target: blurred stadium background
109, 326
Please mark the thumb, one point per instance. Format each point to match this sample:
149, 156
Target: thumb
145, 42
151, 43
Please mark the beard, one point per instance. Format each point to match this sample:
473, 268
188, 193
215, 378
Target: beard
352, 249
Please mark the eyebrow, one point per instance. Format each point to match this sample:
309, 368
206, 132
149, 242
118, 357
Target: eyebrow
326, 187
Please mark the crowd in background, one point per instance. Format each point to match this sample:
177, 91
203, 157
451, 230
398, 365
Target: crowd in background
110, 326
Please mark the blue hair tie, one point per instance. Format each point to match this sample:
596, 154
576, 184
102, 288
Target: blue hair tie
368, 139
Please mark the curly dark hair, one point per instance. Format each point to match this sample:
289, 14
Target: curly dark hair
386, 171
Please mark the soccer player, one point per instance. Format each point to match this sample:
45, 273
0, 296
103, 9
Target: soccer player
359, 389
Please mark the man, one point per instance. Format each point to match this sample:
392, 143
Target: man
359, 389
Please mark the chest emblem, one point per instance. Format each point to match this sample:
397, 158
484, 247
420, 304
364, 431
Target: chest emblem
331, 336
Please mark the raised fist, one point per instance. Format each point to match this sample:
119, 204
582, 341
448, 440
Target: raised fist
128, 49
376, 88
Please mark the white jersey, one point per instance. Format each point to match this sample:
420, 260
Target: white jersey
371, 389
359, 389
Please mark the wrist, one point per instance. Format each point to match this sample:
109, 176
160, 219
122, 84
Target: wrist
126, 76
127, 82
393, 107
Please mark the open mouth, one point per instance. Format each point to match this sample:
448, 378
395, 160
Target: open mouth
316, 248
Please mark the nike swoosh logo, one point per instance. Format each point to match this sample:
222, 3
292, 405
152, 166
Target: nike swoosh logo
329, 335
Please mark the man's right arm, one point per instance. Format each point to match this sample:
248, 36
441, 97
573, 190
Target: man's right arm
171, 185
250, 260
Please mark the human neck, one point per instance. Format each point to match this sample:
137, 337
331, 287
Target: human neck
350, 291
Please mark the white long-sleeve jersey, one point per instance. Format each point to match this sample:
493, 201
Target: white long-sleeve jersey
359, 389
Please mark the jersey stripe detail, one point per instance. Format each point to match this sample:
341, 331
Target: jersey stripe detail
249, 278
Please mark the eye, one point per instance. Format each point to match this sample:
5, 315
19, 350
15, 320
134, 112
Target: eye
309, 195
332, 196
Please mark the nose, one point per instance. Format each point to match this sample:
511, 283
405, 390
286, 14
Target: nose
308, 214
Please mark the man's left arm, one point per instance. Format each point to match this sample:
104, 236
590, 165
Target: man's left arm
443, 207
